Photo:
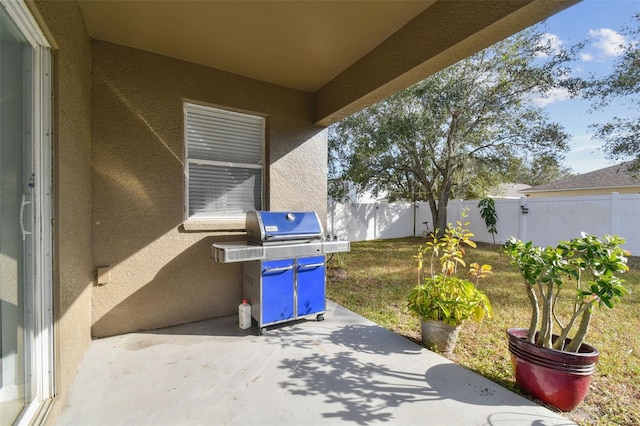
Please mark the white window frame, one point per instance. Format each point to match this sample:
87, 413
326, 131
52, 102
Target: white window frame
220, 219
41, 328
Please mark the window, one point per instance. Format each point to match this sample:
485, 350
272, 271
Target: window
224, 162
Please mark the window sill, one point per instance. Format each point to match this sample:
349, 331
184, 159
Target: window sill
204, 225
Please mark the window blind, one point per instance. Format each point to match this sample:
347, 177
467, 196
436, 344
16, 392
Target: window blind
224, 167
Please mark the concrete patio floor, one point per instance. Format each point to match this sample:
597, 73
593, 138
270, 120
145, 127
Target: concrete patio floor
344, 370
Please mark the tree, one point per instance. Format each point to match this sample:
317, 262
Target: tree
538, 171
458, 131
621, 136
489, 215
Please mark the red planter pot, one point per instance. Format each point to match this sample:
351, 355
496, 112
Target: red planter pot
557, 378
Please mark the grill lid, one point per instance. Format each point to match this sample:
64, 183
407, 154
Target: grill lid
276, 227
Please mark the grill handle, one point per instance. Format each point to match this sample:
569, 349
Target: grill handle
291, 237
311, 265
278, 269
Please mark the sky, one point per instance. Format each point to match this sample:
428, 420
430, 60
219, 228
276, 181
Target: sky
599, 22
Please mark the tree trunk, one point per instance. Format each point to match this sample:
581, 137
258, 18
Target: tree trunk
546, 327
535, 314
441, 220
577, 340
433, 206
443, 202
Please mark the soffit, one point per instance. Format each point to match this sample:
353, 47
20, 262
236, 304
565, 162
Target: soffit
296, 44
349, 54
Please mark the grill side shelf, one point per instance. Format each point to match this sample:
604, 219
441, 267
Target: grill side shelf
243, 251
336, 246
237, 252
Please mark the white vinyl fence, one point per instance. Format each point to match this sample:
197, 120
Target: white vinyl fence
544, 221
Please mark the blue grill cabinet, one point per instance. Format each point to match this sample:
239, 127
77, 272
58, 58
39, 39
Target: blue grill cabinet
285, 289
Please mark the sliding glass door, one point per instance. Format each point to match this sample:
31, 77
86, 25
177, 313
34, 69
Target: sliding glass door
25, 217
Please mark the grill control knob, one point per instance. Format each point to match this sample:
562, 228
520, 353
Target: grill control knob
290, 217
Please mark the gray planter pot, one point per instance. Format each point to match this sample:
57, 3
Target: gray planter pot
438, 336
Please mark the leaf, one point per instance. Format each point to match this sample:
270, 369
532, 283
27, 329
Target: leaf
478, 314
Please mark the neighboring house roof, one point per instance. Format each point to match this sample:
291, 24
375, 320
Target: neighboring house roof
510, 190
610, 177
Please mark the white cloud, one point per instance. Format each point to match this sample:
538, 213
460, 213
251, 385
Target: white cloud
609, 42
554, 95
587, 57
551, 40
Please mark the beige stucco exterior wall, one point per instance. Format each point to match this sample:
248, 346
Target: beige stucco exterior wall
160, 273
64, 25
576, 193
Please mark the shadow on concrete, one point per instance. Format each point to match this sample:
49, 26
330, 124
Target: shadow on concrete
354, 391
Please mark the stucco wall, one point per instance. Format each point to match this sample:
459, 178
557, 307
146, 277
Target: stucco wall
63, 23
161, 274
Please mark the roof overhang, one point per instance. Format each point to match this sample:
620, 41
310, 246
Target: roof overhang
350, 54
579, 189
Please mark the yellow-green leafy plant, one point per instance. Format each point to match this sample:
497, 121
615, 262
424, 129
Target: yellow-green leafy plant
441, 295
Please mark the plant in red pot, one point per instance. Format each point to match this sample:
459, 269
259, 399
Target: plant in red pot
563, 284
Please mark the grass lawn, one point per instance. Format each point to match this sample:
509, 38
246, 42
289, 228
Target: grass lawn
381, 273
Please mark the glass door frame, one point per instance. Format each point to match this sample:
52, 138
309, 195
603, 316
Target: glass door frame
39, 328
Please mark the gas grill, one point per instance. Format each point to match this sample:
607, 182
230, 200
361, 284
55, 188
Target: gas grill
284, 265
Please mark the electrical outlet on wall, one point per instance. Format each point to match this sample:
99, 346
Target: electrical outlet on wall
103, 274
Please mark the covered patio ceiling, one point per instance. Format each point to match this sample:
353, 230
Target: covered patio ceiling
349, 54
